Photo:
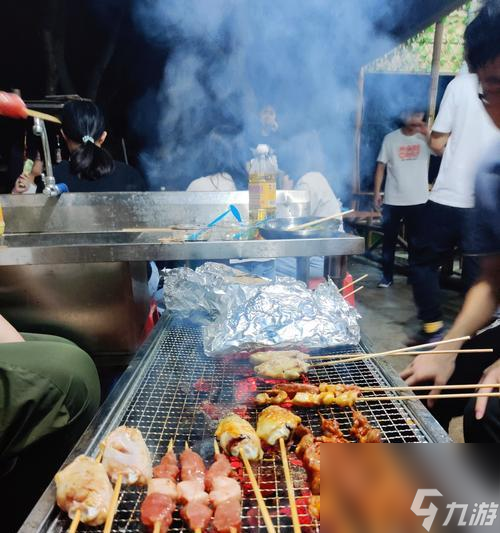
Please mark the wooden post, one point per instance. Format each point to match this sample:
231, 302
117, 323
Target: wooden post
356, 181
436, 58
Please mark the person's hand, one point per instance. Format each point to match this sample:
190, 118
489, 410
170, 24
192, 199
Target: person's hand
377, 200
437, 369
490, 375
36, 170
22, 184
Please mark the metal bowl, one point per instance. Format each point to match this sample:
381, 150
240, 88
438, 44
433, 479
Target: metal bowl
277, 228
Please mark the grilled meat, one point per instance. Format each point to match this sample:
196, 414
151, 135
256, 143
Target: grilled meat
363, 431
314, 506
274, 423
292, 388
168, 467
236, 434
157, 507
288, 368
262, 357
161, 485
126, 453
192, 466
84, 485
220, 468
196, 515
225, 496
331, 430
272, 397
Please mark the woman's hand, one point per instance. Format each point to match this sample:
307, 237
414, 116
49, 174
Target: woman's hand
22, 185
490, 375
437, 369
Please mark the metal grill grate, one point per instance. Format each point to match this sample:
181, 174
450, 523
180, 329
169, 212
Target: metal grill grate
166, 405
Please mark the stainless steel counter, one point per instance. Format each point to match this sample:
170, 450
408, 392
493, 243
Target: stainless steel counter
50, 248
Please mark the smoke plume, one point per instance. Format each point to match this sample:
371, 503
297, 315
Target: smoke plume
229, 60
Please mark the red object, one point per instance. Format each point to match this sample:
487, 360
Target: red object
348, 294
157, 508
203, 385
151, 320
12, 105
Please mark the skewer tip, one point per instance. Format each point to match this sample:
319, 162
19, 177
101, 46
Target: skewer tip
170, 445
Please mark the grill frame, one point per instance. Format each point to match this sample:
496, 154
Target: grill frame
45, 517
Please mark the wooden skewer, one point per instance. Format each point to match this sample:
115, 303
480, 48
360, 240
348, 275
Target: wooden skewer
319, 221
417, 352
43, 116
258, 494
114, 503
430, 397
76, 519
157, 527
353, 282
74, 523
381, 354
289, 487
354, 291
430, 387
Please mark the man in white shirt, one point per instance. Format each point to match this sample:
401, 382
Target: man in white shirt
404, 157
465, 130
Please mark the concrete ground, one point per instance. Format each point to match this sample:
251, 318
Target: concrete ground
389, 316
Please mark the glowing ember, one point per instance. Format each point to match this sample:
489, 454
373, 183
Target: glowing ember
203, 385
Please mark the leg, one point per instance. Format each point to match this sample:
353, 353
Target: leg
433, 239
390, 226
47, 387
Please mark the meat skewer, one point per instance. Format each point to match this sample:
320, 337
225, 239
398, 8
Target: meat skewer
276, 424
191, 491
363, 431
238, 438
84, 491
160, 502
227, 516
12, 105
126, 459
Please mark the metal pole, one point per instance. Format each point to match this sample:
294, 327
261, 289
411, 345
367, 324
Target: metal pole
436, 58
356, 185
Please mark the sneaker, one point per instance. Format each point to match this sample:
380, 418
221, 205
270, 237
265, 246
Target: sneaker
421, 337
384, 283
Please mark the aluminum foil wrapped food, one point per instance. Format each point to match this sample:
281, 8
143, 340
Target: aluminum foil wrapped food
203, 294
283, 314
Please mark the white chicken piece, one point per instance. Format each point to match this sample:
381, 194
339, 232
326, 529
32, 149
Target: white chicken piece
162, 485
261, 357
223, 489
288, 368
192, 491
84, 485
126, 453
275, 422
236, 434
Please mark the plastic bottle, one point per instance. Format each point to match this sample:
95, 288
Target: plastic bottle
262, 172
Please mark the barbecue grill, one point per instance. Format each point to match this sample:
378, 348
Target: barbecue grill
171, 390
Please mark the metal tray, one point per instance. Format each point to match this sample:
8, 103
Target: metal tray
278, 229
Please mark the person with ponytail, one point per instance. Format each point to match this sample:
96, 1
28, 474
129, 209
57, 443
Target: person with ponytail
90, 167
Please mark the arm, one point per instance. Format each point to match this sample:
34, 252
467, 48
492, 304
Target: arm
479, 306
438, 141
379, 178
8, 333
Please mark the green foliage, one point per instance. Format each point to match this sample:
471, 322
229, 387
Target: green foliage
416, 54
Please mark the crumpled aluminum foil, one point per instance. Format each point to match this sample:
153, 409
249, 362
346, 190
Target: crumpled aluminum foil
203, 294
283, 314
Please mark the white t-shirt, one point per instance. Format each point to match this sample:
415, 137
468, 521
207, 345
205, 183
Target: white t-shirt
407, 160
216, 182
473, 134
323, 199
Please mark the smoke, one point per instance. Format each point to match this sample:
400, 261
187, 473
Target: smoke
229, 60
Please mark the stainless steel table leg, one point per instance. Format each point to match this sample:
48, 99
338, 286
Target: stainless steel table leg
336, 268
303, 269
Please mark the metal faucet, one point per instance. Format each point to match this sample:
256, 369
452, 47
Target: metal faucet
49, 181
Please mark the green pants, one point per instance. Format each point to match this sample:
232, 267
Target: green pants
47, 385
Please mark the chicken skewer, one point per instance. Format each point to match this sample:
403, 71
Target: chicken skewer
158, 506
191, 491
276, 424
126, 459
84, 491
225, 494
238, 438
